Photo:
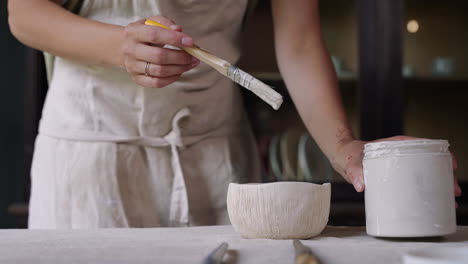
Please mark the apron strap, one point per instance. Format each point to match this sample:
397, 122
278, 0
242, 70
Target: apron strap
179, 207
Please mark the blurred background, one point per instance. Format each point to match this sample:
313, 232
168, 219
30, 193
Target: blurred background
402, 68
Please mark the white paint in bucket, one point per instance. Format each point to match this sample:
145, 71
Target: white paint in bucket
409, 188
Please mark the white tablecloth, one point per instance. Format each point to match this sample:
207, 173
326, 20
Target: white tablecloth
190, 245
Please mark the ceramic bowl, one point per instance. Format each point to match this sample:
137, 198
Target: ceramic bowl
279, 210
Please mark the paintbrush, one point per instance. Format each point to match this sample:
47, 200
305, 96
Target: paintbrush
265, 92
303, 254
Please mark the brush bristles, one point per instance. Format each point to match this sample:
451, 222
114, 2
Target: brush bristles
246, 80
265, 92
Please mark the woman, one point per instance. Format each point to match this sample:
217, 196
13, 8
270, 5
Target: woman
138, 134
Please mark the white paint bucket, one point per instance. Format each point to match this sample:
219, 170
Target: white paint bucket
409, 188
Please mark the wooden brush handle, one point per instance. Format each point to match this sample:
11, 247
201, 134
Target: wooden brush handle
262, 90
218, 64
306, 259
303, 254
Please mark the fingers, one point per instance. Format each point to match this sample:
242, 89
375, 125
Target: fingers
144, 43
163, 20
349, 163
457, 188
454, 161
154, 82
355, 176
354, 172
158, 55
158, 35
167, 22
396, 138
138, 67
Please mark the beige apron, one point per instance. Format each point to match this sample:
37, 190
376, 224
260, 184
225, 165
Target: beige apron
113, 154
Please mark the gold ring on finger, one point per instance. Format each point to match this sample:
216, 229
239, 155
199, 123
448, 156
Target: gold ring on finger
147, 69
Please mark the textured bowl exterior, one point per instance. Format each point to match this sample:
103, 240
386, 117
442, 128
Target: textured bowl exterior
280, 210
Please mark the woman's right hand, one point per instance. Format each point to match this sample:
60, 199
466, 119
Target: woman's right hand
144, 44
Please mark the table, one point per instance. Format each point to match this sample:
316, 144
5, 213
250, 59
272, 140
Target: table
190, 245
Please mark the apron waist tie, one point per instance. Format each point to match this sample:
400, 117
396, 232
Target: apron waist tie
179, 207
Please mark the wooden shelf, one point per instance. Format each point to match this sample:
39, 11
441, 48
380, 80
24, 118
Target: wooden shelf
274, 79
436, 83
276, 76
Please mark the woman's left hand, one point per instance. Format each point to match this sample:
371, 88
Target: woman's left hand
349, 162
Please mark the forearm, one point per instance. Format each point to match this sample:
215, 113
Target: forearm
46, 26
312, 86
308, 73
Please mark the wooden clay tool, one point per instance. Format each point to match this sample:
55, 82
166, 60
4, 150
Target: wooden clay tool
303, 254
217, 255
265, 92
